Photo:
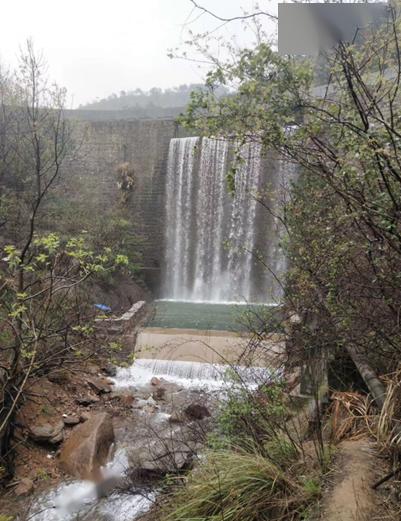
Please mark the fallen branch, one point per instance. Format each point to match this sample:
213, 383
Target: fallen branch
386, 478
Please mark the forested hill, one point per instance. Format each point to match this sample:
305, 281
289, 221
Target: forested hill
153, 103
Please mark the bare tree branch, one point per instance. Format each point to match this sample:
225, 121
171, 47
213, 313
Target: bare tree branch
243, 17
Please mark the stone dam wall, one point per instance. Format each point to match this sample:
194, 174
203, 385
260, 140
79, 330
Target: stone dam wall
101, 146
91, 175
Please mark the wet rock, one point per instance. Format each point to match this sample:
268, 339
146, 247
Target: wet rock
70, 419
99, 385
88, 399
155, 381
127, 400
165, 456
43, 431
150, 404
197, 411
159, 394
86, 450
170, 387
109, 370
24, 488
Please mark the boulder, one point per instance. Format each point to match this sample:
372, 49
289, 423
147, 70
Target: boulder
197, 411
99, 385
70, 419
159, 394
170, 387
155, 381
44, 431
109, 370
24, 488
87, 448
88, 399
164, 456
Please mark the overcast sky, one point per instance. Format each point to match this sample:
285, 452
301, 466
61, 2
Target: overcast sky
96, 47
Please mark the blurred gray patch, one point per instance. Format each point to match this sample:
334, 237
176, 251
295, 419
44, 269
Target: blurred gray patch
312, 28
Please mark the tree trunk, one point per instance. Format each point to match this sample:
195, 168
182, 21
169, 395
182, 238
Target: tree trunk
374, 385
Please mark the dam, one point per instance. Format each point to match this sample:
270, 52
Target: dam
201, 242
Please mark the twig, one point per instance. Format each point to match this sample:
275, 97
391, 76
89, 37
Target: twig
243, 17
386, 478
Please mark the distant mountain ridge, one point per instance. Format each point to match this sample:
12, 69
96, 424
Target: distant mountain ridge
154, 103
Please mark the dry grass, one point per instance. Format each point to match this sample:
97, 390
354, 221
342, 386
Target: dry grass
239, 486
387, 428
349, 416
353, 415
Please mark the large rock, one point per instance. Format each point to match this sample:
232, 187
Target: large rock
86, 400
197, 411
99, 385
87, 448
110, 370
165, 456
45, 430
71, 419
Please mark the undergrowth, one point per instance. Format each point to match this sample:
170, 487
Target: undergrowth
241, 486
254, 468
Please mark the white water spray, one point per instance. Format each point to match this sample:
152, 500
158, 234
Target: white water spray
210, 234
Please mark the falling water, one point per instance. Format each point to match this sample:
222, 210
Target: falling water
179, 208
242, 229
191, 375
210, 234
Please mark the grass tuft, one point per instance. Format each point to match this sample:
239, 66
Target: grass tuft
240, 486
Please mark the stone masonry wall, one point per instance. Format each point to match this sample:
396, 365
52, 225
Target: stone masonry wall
102, 146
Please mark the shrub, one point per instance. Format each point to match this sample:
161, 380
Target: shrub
252, 417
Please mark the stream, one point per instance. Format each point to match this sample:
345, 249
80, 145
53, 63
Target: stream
142, 437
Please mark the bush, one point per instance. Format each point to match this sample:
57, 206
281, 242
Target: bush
250, 418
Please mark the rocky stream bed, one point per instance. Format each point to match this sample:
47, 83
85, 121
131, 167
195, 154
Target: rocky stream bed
105, 456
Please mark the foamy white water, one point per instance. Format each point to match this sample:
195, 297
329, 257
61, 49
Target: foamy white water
190, 375
79, 500
65, 502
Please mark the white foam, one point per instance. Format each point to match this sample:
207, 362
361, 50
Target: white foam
64, 502
190, 375
118, 465
79, 500
124, 507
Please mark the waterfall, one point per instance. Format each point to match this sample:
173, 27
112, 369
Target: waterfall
210, 220
179, 207
211, 235
191, 375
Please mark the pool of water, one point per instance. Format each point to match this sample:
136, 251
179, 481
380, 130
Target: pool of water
210, 316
